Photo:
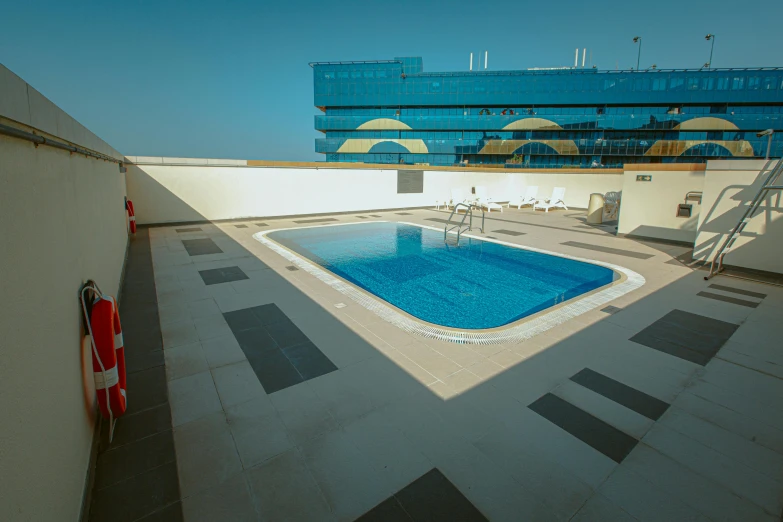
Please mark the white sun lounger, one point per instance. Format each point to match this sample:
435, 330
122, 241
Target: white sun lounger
528, 199
555, 201
457, 196
485, 201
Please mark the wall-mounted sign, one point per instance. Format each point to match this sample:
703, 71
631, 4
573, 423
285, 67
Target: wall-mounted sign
643, 177
410, 181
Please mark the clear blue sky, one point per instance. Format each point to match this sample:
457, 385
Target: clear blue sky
231, 79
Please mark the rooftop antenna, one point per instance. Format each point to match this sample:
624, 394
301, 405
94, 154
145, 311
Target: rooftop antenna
584, 53
471, 61
576, 58
486, 55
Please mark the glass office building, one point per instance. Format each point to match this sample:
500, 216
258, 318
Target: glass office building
391, 111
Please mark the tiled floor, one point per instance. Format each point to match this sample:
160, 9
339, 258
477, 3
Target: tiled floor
665, 405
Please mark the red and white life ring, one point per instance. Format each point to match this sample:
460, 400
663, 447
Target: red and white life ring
131, 215
108, 358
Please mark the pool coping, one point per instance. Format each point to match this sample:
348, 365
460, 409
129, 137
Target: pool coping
515, 332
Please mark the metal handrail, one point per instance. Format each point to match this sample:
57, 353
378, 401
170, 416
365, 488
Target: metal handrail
766, 186
468, 212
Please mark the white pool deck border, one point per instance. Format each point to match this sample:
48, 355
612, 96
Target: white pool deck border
512, 333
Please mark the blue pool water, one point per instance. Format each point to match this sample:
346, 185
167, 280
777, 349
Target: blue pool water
477, 285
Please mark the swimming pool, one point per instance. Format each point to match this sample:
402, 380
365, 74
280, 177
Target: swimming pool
479, 285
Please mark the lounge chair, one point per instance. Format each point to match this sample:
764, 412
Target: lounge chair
485, 201
528, 199
457, 196
555, 201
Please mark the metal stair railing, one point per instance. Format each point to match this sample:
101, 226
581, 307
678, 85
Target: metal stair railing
461, 225
772, 182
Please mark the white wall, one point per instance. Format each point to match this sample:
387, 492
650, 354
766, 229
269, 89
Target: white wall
169, 193
649, 208
729, 187
61, 222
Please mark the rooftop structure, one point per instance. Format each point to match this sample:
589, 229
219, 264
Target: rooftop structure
392, 111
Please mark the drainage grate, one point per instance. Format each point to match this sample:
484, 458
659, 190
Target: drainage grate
291, 268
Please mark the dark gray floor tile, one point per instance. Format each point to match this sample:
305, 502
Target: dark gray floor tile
375, 215
309, 361
132, 459
690, 336
147, 389
286, 333
389, 510
727, 299
255, 340
226, 274
130, 428
200, 247
508, 232
274, 370
269, 314
676, 350
262, 224
591, 430
608, 250
244, 319
611, 309
740, 291
170, 513
700, 323
703, 342
241, 226
362, 217
136, 497
189, 229
638, 401
291, 268
319, 220
432, 497
403, 213
138, 360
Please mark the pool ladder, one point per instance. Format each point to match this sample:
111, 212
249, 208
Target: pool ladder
461, 225
772, 182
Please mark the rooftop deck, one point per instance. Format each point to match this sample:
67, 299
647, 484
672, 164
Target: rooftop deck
665, 405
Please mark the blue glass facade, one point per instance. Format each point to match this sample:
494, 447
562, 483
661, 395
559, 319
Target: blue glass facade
391, 111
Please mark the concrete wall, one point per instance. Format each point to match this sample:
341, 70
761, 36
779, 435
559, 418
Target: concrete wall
729, 187
173, 193
649, 208
62, 222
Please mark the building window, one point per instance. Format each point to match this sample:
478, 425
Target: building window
738, 83
754, 82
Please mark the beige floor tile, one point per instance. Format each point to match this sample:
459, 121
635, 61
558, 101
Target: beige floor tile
206, 455
203, 308
179, 334
506, 358
223, 350
212, 326
600, 509
258, 432
461, 381
304, 415
185, 360
348, 482
485, 369
237, 383
414, 370
230, 500
284, 489
193, 397
435, 363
